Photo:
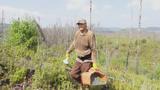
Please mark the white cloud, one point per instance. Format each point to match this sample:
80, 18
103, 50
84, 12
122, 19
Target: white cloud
79, 5
155, 4
133, 4
152, 4
107, 7
12, 12
75, 4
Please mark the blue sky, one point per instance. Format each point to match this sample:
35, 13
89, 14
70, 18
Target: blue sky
106, 13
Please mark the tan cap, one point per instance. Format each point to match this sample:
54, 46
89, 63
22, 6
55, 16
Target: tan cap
82, 21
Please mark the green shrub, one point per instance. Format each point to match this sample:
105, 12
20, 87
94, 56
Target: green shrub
52, 74
157, 73
23, 32
18, 76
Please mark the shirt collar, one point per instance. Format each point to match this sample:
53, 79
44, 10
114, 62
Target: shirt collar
84, 33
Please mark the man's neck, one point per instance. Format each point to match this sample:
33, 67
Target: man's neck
84, 31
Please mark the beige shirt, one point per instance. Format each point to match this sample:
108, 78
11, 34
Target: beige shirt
84, 44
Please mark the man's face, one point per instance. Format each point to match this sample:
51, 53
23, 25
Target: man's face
82, 26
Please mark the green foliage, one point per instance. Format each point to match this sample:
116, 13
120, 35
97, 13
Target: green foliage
23, 32
18, 76
50, 70
51, 74
17, 55
157, 73
120, 80
115, 59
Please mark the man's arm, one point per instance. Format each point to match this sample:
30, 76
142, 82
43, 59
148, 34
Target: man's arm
93, 48
71, 47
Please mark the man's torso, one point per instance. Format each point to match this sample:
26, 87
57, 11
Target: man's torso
82, 43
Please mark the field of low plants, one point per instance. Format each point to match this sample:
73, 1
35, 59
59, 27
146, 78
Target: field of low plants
32, 59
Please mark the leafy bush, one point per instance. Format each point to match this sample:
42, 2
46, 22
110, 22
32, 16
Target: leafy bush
51, 75
18, 76
157, 73
23, 32
50, 70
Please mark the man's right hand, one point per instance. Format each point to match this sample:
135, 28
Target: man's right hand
67, 55
67, 58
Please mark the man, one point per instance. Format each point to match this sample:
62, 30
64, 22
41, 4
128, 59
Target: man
84, 44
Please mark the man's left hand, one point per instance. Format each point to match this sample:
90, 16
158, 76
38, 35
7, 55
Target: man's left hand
94, 65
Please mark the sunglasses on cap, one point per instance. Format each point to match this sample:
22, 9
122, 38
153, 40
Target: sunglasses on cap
80, 23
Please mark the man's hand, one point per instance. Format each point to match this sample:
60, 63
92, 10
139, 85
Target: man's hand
67, 55
67, 58
94, 65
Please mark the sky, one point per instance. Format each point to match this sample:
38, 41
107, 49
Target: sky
106, 13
